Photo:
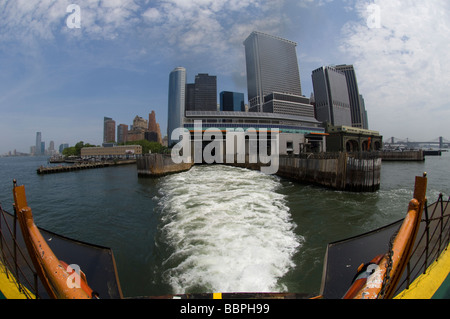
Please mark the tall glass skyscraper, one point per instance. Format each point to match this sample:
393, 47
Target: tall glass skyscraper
177, 95
332, 103
272, 66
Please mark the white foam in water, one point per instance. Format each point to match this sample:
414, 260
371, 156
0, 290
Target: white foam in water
229, 229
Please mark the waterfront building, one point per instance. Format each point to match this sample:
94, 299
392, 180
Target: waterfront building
352, 139
38, 143
331, 98
121, 151
297, 134
232, 101
176, 101
109, 130
272, 66
356, 109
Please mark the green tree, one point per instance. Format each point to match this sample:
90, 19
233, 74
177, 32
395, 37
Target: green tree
76, 150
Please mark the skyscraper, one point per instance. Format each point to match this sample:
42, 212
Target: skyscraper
272, 66
205, 98
190, 97
356, 109
331, 99
364, 112
154, 127
176, 103
122, 133
109, 130
38, 143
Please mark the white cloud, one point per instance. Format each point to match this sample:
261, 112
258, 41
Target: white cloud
308, 3
403, 67
37, 20
176, 28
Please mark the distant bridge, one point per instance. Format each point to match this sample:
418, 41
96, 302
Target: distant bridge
440, 142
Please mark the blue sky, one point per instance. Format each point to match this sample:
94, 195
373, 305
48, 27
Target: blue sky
62, 81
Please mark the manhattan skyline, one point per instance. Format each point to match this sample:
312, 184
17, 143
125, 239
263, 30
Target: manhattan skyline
62, 81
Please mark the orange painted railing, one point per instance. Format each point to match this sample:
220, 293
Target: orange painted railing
60, 281
379, 278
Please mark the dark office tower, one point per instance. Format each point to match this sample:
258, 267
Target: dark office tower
109, 130
205, 92
122, 133
38, 143
232, 101
353, 93
190, 97
272, 66
332, 104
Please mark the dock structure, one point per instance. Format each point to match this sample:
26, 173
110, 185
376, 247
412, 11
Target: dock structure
413, 155
156, 165
359, 172
355, 172
80, 166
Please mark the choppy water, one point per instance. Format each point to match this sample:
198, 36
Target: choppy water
214, 228
228, 230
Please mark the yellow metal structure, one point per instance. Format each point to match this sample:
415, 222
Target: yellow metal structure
9, 286
426, 285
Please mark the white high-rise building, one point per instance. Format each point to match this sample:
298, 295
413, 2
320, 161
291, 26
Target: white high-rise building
177, 95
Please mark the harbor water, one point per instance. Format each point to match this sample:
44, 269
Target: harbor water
213, 228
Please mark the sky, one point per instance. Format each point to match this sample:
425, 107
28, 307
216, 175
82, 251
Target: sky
65, 64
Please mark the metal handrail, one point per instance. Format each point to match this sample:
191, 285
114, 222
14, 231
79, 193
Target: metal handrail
19, 273
433, 239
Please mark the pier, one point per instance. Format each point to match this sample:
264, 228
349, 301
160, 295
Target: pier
414, 155
81, 166
156, 165
358, 172
355, 172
